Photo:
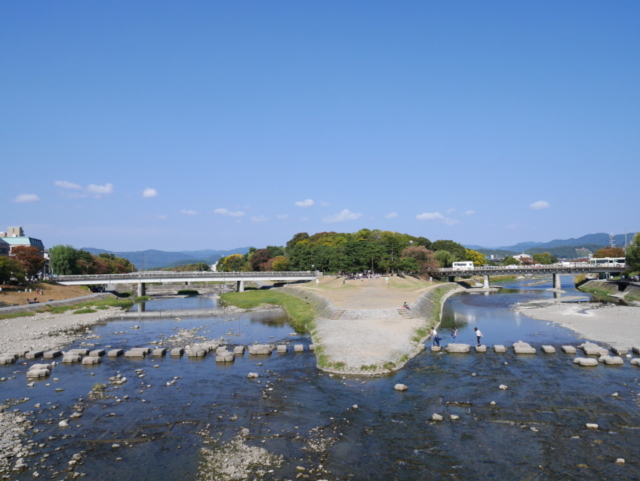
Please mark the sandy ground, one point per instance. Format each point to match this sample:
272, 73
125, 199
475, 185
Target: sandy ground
12, 295
618, 326
370, 293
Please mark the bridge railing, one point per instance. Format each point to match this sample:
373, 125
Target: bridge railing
538, 267
150, 275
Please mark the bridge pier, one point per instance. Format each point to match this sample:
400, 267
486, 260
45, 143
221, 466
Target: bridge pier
240, 286
557, 284
486, 284
142, 289
452, 278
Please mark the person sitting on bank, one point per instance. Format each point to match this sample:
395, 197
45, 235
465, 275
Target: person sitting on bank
406, 306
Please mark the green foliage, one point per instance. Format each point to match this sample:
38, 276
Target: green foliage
10, 267
457, 250
142, 299
510, 261
17, 314
545, 258
445, 258
62, 260
633, 253
85, 310
233, 263
301, 314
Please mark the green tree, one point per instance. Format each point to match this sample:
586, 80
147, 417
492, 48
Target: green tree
232, 263
408, 264
445, 258
279, 263
545, 258
62, 260
475, 256
10, 267
510, 261
450, 246
300, 236
633, 254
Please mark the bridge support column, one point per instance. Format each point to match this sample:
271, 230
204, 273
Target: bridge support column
557, 284
240, 286
486, 284
141, 289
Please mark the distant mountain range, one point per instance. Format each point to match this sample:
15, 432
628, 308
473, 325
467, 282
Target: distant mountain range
558, 247
154, 259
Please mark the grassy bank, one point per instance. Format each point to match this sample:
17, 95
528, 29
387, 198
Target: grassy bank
301, 314
99, 304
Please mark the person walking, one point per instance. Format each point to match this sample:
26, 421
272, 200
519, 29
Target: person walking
478, 335
454, 333
434, 337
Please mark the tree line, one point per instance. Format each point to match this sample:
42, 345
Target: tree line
364, 250
65, 260
24, 263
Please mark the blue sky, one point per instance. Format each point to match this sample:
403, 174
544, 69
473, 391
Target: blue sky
192, 125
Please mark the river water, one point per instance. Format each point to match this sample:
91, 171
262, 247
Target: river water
535, 430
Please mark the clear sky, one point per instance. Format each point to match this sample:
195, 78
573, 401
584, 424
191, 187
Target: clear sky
202, 124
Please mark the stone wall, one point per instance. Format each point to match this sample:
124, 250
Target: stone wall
619, 289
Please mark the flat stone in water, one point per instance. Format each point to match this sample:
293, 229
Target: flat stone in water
568, 349
548, 349
458, 348
499, 348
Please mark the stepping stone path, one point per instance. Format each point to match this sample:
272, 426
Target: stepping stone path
115, 353
177, 352
523, 348
548, 349
37, 371
260, 350
481, 348
33, 354
282, 348
568, 349
436, 348
52, 354
586, 361
499, 348
97, 353
298, 348
612, 360
591, 349
238, 350
7, 359
159, 352
91, 360
225, 356
458, 348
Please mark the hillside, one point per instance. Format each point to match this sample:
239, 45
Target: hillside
152, 258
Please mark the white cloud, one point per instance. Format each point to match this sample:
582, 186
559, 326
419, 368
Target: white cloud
19, 199
282, 216
305, 203
469, 212
259, 218
148, 193
391, 215
346, 214
100, 189
188, 212
450, 221
67, 185
324, 204
229, 213
430, 216
451, 211
161, 217
541, 204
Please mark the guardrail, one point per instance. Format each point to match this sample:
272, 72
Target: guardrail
150, 275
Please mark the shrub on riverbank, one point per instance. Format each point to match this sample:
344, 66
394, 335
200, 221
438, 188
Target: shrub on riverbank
301, 314
142, 299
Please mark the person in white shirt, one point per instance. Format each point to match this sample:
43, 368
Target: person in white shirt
478, 335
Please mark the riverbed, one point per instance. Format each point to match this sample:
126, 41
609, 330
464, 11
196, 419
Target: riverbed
172, 415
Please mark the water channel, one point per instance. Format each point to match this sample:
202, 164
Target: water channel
535, 430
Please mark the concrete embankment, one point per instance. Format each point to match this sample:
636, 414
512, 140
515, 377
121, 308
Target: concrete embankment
64, 302
372, 341
625, 290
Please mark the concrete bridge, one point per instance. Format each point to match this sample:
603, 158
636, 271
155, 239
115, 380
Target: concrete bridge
168, 277
554, 270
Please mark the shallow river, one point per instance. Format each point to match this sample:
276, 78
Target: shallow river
536, 429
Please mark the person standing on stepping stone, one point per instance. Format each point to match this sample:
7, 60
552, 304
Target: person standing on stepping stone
478, 335
435, 338
454, 333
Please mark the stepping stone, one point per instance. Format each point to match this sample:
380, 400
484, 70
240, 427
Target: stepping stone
225, 357
586, 361
458, 348
568, 349
635, 361
436, 348
523, 348
298, 348
260, 350
177, 352
71, 358
481, 348
221, 349
97, 353
135, 353
81, 352
38, 373
115, 353
238, 350
620, 351
21, 353
612, 360
33, 355
52, 354
591, 349
312, 347
159, 352
282, 348
91, 360
499, 348
195, 353
7, 359
548, 349
40, 366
